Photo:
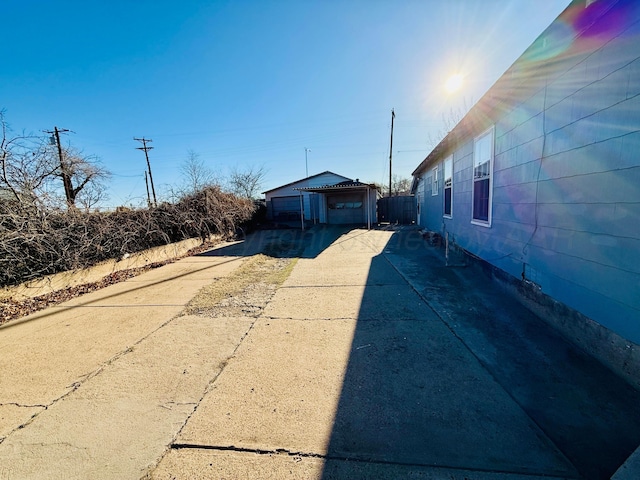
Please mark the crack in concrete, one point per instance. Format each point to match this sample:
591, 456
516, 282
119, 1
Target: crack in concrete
258, 451
20, 405
170, 405
370, 461
82, 379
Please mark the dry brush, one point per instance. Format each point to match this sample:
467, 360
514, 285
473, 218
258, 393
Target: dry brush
36, 242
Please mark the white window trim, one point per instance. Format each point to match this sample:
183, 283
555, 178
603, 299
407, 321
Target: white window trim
444, 186
434, 182
482, 223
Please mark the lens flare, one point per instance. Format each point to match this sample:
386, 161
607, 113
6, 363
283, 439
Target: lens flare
453, 83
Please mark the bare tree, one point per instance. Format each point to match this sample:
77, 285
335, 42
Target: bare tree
400, 185
81, 171
92, 195
197, 175
449, 121
247, 182
25, 165
30, 168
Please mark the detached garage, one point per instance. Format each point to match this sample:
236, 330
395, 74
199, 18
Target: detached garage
347, 203
326, 198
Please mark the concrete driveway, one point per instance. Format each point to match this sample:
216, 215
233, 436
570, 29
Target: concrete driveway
371, 361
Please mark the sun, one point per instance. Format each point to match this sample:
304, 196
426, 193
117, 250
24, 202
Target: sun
453, 83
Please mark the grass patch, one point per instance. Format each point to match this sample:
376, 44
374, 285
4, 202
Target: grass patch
260, 272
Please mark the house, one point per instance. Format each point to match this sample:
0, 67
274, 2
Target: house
541, 179
326, 198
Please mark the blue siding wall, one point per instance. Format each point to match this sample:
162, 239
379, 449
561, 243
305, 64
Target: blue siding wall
566, 176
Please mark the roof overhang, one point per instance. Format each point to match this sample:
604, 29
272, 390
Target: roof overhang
339, 188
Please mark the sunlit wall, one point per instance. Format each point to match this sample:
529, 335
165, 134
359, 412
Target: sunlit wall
565, 172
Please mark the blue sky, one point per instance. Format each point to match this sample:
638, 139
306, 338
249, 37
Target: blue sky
252, 83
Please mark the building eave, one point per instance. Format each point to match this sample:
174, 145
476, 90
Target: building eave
305, 180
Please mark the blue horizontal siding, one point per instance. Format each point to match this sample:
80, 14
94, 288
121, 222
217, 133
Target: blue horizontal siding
566, 181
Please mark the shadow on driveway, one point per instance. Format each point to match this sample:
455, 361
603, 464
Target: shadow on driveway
284, 243
453, 376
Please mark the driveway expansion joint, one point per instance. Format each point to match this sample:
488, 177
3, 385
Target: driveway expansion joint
361, 460
257, 451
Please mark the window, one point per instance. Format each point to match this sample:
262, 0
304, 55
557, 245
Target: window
448, 186
434, 182
482, 172
344, 205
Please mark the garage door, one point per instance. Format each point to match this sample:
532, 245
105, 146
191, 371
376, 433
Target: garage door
346, 209
285, 208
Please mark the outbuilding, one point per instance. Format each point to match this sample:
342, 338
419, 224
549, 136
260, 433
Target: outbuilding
325, 198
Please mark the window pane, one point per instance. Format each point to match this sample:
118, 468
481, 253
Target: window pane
481, 200
447, 201
482, 170
482, 150
448, 169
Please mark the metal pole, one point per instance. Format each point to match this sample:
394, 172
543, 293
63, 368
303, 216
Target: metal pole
306, 163
368, 209
306, 170
301, 211
393, 116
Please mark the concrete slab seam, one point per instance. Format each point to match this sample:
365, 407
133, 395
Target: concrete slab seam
292, 287
294, 454
308, 319
450, 328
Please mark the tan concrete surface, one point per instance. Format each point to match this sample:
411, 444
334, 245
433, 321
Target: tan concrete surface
45, 355
347, 367
15, 414
98, 386
394, 302
348, 373
116, 424
280, 389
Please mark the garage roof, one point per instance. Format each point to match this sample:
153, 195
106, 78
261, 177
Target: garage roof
346, 186
306, 179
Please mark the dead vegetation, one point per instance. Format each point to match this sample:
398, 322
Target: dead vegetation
12, 308
35, 242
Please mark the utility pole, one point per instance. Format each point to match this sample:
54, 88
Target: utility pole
146, 182
146, 149
64, 173
393, 116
